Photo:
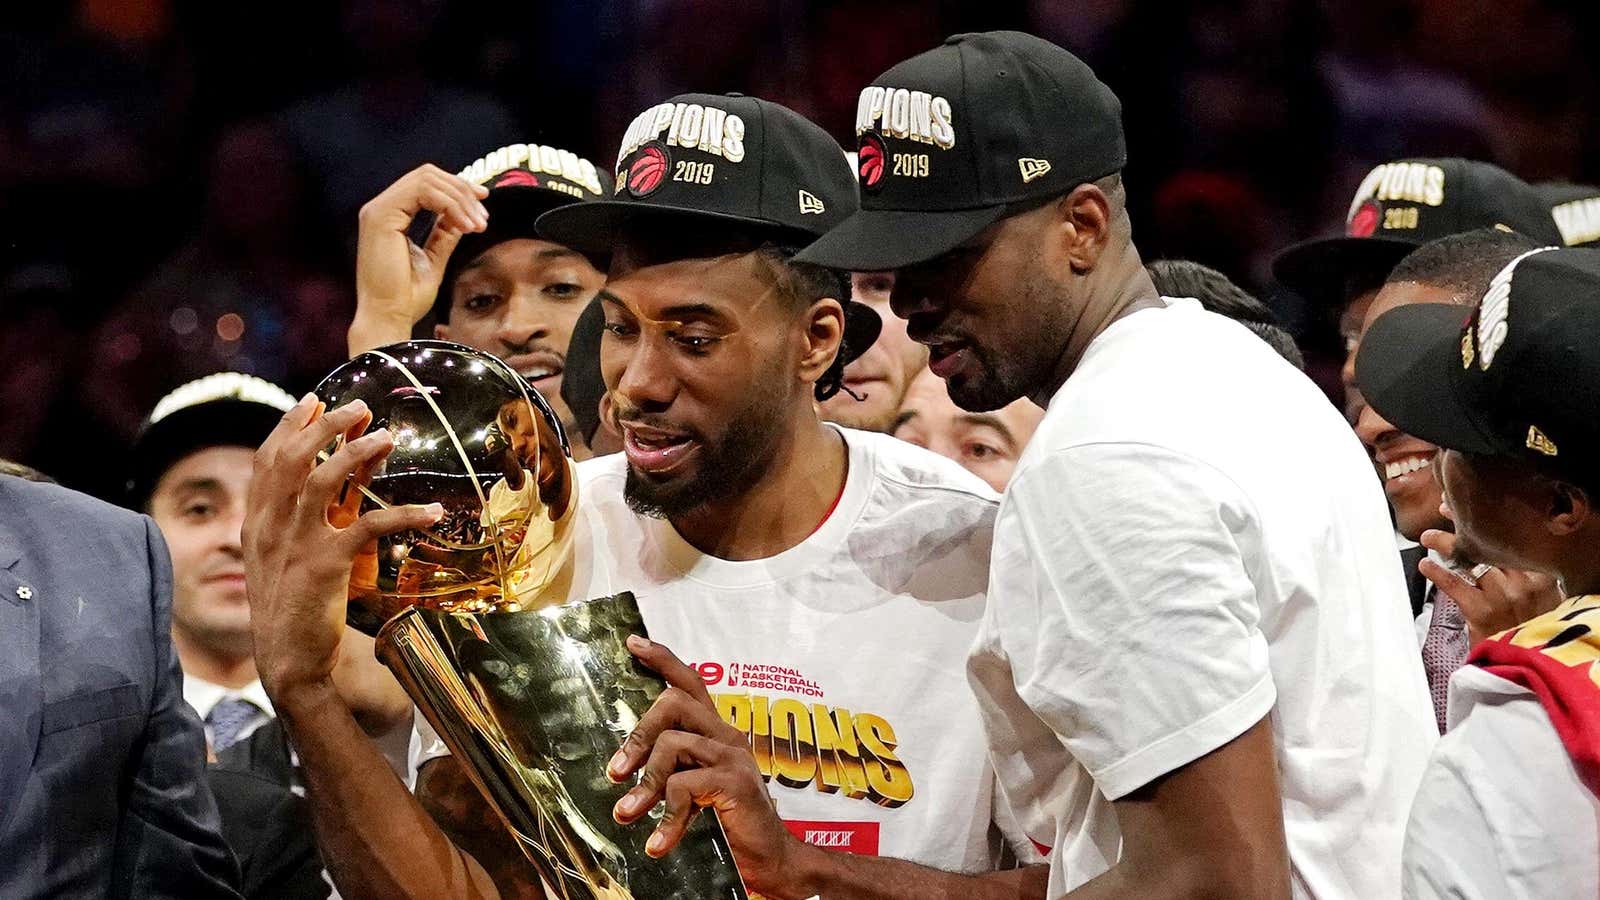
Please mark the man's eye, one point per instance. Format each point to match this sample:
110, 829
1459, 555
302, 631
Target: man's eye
620, 329
982, 451
198, 511
564, 290
695, 341
480, 302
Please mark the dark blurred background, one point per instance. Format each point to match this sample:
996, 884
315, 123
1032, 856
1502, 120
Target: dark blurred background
181, 178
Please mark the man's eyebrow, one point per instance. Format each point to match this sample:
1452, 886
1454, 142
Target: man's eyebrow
990, 420
904, 417
556, 253
197, 485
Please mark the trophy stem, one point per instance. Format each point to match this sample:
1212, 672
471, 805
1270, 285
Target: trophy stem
532, 704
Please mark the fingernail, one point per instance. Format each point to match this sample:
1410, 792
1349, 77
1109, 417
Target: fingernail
635, 642
381, 435
436, 510
630, 803
618, 760
653, 846
309, 397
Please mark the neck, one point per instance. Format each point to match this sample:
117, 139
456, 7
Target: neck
783, 508
230, 670
1118, 287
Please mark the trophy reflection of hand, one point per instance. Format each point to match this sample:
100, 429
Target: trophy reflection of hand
691, 758
301, 537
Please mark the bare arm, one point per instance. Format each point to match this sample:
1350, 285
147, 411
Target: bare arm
846, 876
300, 540
376, 839
1211, 829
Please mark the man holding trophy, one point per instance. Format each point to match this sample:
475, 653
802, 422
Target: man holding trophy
825, 584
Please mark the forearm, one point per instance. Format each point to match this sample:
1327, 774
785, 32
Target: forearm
369, 330
843, 876
376, 839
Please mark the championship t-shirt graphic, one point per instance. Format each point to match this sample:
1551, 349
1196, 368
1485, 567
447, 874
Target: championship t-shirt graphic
843, 659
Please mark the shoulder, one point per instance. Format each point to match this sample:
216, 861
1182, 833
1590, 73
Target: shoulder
58, 517
902, 468
604, 474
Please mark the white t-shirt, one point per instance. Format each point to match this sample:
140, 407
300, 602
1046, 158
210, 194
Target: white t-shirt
1502, 813
1193, 540
863, 626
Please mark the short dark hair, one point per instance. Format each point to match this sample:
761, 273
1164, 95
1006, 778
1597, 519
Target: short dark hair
803, 284
1218, 293
1463, 263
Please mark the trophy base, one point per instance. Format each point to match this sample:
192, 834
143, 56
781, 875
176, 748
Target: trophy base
534, 704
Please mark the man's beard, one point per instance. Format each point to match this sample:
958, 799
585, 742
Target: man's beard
993, 387
725, 469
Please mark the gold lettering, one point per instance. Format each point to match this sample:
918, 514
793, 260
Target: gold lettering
838, 754
888, 780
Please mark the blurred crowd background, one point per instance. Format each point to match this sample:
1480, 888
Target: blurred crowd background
181, 179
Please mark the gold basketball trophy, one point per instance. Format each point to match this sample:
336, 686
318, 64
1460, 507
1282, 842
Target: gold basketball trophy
532, 693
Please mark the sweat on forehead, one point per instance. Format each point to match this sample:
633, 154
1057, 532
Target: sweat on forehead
1463, 263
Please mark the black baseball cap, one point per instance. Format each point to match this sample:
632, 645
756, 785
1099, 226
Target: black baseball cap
582, 385
1402, 205
1519, 378
524, 182
702, 162
951, 139
1575, 208
228, 409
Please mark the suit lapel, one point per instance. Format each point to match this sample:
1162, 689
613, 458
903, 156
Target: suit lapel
21, 687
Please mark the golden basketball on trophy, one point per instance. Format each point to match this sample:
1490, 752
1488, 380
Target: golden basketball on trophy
531, 690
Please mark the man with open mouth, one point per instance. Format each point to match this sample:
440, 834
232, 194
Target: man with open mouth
818, 587
1196, 666
1458, 609
464, 246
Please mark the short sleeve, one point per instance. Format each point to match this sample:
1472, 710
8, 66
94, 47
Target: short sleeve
1121, 597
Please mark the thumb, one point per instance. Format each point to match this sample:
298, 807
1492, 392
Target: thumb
441, 243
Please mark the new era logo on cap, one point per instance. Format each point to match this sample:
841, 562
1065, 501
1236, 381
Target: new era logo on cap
1525, 367
809, 204
1033, 168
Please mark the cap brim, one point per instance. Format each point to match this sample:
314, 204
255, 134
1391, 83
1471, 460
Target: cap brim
595, 227
1317, 270
880, 240
227, 422
1405, 369
862, 326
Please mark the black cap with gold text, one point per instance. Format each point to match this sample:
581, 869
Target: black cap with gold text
1402, 205
950, 139
1519, 378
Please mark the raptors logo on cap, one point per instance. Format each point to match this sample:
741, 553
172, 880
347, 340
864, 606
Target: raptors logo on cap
870, 160
515, 178
1364, 222
647, 170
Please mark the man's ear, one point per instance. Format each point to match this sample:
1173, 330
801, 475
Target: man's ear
1571, 509
1082, 222
824, 333
441, 332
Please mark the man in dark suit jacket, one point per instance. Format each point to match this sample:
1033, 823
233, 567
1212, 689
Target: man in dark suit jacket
102, 764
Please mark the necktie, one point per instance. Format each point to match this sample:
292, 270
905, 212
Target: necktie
228, 721
1444, 649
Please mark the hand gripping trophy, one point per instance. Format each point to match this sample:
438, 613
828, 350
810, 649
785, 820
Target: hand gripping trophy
531, 692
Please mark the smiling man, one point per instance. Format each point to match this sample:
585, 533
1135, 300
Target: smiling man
825, 583
1508, 807
1459, 609
490, 280
190, 472
1195, 668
